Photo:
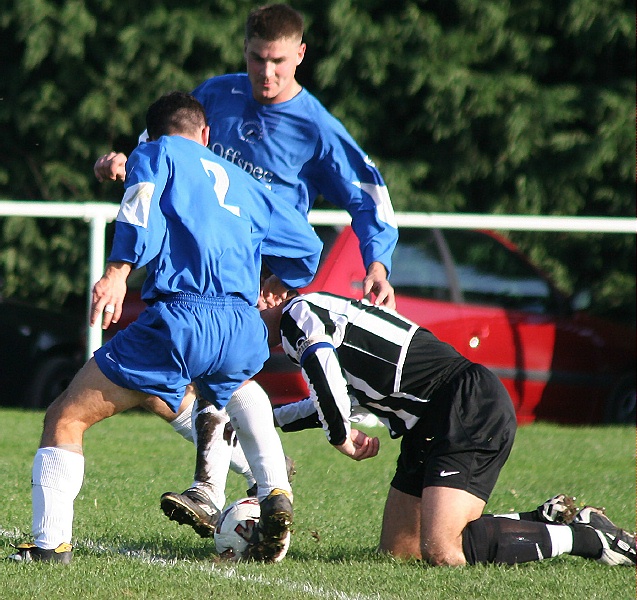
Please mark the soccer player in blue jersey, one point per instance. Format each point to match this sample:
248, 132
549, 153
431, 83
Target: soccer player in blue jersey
456, 424
267, 124
200, 226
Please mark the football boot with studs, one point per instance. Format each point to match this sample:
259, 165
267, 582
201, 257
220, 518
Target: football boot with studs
618, 545
274, 528
32, 553
193, 508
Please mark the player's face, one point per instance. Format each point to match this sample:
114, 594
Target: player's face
271, 68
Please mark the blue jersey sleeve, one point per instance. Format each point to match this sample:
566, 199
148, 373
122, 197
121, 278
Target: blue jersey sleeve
140, 225
349, 179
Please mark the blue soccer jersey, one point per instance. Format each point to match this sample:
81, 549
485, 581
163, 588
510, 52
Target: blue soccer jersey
200, 225
300, 151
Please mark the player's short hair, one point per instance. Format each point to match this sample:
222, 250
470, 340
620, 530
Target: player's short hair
274, 22
175, 113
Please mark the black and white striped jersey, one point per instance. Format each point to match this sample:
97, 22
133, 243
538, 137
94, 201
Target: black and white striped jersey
355, 354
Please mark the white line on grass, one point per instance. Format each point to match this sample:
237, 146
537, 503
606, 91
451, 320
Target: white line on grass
230, 572
220, 570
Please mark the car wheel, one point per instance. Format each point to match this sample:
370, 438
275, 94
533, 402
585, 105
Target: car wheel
49, 380
620, 406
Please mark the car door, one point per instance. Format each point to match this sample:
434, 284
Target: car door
508, 315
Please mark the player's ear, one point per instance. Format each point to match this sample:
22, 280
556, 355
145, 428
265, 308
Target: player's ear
300, 54
205, 135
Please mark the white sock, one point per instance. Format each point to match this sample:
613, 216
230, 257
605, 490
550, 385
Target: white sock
239, 464
182, 423
561, 539
250, 414
57, 477
216, 460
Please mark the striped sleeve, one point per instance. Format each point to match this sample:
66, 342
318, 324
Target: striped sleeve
307, 337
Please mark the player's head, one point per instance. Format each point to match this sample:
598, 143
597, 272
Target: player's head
273, 49
274, 22
176, 113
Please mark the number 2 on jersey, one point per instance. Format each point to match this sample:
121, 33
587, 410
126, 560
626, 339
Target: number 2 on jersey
222, 183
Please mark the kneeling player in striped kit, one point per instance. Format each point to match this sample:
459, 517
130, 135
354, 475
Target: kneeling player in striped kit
456, 423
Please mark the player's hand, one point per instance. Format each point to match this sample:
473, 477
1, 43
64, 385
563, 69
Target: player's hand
273, 292
359, 446
377, 288
111, 166
109, 293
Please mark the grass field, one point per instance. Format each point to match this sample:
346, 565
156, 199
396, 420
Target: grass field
127, 549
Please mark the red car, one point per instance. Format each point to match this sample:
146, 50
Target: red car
476, 291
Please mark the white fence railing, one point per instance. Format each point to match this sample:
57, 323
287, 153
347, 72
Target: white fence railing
99, 214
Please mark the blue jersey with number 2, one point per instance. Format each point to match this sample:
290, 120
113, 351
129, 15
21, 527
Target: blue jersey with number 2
200, 225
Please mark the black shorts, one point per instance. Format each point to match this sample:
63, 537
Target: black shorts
462, 440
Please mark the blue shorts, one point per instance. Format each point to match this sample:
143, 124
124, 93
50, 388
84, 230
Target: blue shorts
215, 342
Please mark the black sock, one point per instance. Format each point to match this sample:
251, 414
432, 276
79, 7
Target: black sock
505, 541
586, 543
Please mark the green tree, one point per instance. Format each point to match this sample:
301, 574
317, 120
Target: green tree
78, 76
498, 106
491, 106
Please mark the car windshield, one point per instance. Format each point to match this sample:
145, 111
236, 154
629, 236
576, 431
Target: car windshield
491, 274
468, 266
418, 268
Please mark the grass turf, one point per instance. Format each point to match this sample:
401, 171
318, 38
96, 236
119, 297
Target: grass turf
126, 548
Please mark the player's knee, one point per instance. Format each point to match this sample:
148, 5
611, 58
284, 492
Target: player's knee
448, 554
401, 552
55, 412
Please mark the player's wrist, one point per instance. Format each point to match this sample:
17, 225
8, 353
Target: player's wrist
377, 270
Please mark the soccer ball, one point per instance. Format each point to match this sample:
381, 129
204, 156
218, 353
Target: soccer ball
237, 529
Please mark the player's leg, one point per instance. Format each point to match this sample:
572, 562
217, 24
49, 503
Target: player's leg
444, 514
428, 527
454, 532
471, 466
182, 424
400, 531
250, 413
201, 504
507, 541
251, 417
242, 337
161, 409
58, 466
450, 460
